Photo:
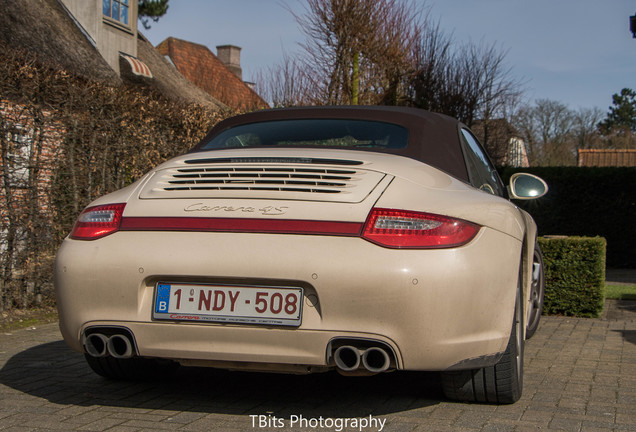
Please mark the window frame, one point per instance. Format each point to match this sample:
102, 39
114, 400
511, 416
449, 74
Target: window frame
399, 134
481, 171
117, 21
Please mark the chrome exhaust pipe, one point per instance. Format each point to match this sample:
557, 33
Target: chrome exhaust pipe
96, 345
119, 346
347, 358
376, 360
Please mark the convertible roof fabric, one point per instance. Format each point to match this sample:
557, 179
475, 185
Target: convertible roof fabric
433, 138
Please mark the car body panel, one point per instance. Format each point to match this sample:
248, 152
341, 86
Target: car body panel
433, 308
425, 189
375, 286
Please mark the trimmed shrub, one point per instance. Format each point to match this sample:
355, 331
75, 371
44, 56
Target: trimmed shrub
574, 275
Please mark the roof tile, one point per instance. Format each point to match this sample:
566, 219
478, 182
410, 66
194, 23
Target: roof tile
607, 158
201, 67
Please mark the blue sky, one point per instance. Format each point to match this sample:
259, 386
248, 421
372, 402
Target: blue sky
578, 52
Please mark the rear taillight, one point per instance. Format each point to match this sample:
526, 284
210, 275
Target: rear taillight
409, 229
97, 222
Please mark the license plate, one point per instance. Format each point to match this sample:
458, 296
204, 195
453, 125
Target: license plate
228, 303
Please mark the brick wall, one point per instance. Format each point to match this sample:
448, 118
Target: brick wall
30, 149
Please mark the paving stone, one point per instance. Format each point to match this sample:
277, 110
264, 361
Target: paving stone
580, 375
100, 425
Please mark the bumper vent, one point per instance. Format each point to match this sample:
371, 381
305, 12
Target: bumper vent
277, 182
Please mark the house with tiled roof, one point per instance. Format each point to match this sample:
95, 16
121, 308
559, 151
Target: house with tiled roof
218, 75
97, 40
607, 158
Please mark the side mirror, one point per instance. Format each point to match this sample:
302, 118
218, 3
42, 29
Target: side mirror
527, 186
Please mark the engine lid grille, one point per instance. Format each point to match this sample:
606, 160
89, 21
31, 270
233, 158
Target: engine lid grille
259, 181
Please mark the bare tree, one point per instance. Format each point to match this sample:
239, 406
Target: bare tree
285, 84
430, 87
357, 50
394, 52
470, 83
585, 128
497, 91
548, 130
390, 52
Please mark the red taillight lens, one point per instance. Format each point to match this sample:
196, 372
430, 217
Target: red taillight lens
409, 229
97, 222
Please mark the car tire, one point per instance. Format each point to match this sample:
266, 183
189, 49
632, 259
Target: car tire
501, 383
131, 369
537, 293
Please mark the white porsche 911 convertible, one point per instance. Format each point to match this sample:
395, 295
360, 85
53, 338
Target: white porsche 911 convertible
362, 239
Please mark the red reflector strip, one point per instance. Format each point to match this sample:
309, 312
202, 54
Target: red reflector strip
246, 225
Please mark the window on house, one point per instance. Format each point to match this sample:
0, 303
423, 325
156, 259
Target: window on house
19, 146
116, 9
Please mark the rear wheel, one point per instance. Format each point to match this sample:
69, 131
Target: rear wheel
131, 369
501, 383
535, 304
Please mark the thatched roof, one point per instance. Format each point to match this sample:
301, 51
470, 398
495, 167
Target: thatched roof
44, 28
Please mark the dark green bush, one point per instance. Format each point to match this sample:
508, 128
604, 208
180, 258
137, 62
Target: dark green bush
574, 275
587, 202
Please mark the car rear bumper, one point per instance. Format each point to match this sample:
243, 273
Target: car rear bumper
434, 308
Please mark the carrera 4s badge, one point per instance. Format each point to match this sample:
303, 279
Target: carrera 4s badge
266, 211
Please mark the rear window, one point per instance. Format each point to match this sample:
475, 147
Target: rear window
334, 133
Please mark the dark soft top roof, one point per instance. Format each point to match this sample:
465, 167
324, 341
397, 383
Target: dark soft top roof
433, 137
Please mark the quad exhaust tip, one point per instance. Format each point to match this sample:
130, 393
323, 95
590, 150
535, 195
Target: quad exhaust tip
117, 345
352, 360
96, 345
347, 358
376, 360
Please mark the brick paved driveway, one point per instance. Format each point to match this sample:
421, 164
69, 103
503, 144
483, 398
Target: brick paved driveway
580, 375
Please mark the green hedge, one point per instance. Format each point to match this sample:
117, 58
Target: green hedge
587, 202
574, 275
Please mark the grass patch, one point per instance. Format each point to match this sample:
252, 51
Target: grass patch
620, 291
15, 319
